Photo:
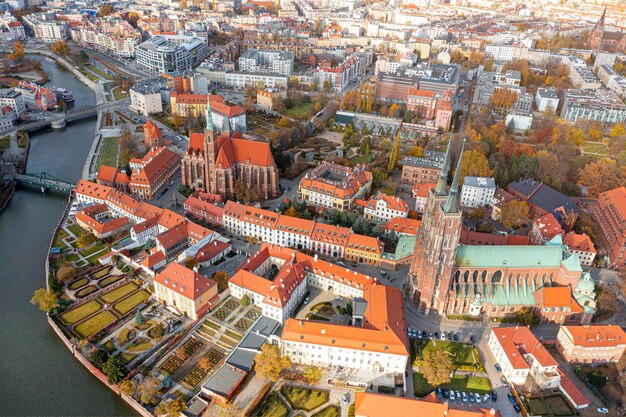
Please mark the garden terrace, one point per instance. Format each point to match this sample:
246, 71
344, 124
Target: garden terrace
272, 406
304, 398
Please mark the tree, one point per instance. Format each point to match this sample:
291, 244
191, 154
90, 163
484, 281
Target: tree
228, 409
128, 387
60, 47
548, 169
415, 151
503, 98
514, 213
98, 357
221, 278
327, 86
312, 373
190, 262
148, 389
66, 273
284, 122
45, 300
18, 52
395, 153
133, 18
245, 301
270, 363
241, 189
158, 331
618, 130
525, 316
85, 239
475, 164
139, 318
601, 175
362, 227
105, 10
114, 369
170, 409
436, 366
291, 212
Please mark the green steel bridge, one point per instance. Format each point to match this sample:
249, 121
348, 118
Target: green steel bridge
45, 181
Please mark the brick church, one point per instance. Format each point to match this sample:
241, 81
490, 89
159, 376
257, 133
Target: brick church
213, 163
606, 38
496, 280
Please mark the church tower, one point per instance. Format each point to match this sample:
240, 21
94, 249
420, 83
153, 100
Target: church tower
210, 150
438, 238
596, 35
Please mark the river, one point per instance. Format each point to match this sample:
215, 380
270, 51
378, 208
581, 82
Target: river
38, 375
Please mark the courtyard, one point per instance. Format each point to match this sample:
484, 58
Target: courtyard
297, 400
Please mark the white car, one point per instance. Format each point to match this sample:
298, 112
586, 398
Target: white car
602, 410
345, 399
452, 396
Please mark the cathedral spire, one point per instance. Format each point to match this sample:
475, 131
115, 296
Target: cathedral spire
209, 117
442, 183
452, 203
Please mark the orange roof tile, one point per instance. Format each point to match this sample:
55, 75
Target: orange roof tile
184, 281
155, 163
196, 142
519, 341
294, 225
548, 226
557, 297
579, 242
421, 190
402, 225
333, 235
596, 336
364, 243
93, 190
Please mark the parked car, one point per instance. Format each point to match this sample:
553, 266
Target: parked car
443, 336
439, 393
445, 393
517, 408
458, 395
478, 399
494, 396
472, 339
430, 335
424, 334
602, 410
450, 336
497, 366
464, 394
471, 397
503, 379
511, 398
452, 395
485, 398
345, 399
339, 298
456, 337
436, 335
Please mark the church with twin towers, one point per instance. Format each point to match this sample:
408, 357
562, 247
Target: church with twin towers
450, 278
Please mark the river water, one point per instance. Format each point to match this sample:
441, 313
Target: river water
38, 375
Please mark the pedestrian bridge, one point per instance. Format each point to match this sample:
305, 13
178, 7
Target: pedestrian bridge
45, 181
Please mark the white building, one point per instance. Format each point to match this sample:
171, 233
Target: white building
13, 99
477, 191
167, 54
46, 30
273, 62
382, 208
520, 354
145, 98
546, 98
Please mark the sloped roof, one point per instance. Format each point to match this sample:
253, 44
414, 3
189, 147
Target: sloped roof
509, 256
184, 281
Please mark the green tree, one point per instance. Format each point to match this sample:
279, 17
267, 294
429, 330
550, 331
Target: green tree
171, 408
525, 316
327, 86
242, 192
362, 227
436, 366
221, 278
98, 357
312, 373
395, 153
245, 301
158, 331
270, 363
44, 299
114, 369
128, 387
66, 273
139, 318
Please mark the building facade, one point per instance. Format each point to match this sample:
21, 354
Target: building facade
610, 216
477, 191
335, 186
596, 344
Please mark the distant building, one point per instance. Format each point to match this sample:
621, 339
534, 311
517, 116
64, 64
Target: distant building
544, 229
600, 104
610, 216
145, 97
477, 191
596, 344
420, 193
607, 39
274, 62
168, 54
546, 98
382, 207
422, 170
152, 135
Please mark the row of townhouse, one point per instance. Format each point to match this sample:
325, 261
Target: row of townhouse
375, 344
268, 226
112, 35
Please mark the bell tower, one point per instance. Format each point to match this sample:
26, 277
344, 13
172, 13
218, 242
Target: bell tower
210, 150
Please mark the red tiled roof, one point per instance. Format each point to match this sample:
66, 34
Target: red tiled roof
557, 297
571, 390
156, 162
518, 341
596, 335
402, 225
579, 242
184, 281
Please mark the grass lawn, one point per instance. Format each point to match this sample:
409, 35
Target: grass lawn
537, 406
472, 384
463, 354
101, 73
302, 112
92, 77
85, 291
77, 284
5, 142
304, 398
330, 411
108, 152
102, 272
421, 387
97, 247
109, 280
272, 407
131, 302
118, 95
108, 346
94, 324
324, 309
75, 229
77, 314
140, 345
595, 147
72, 258
60, 235
128, 356
125, 335
118, 293
93, 259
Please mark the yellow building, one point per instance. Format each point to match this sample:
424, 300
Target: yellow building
185, 290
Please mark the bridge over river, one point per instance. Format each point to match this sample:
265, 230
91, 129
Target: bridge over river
45, 181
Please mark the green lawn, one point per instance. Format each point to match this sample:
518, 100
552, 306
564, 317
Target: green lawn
464, 355
304, 398
109, 280
595, 147
92, 77
131, 302
108, 152
118, 94
76, 314
94, 324
77, 284
118, 293
94, 258
102, 272
97, 247
101, 73
75, 229
272, 407
421, 387
85, 291
60, 235
472, 384
330, 411
72, 257
125, 335
140, 345
302, 112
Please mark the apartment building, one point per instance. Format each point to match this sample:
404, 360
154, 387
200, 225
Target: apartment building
477, 191
421, 103
596, 344
600, 104
13, 99
382, 207
610, 216
111, 35
145, 97
581, 245
168, 54
152, 173
422, 170
520, 355
46, 30
274, 62
335, 186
